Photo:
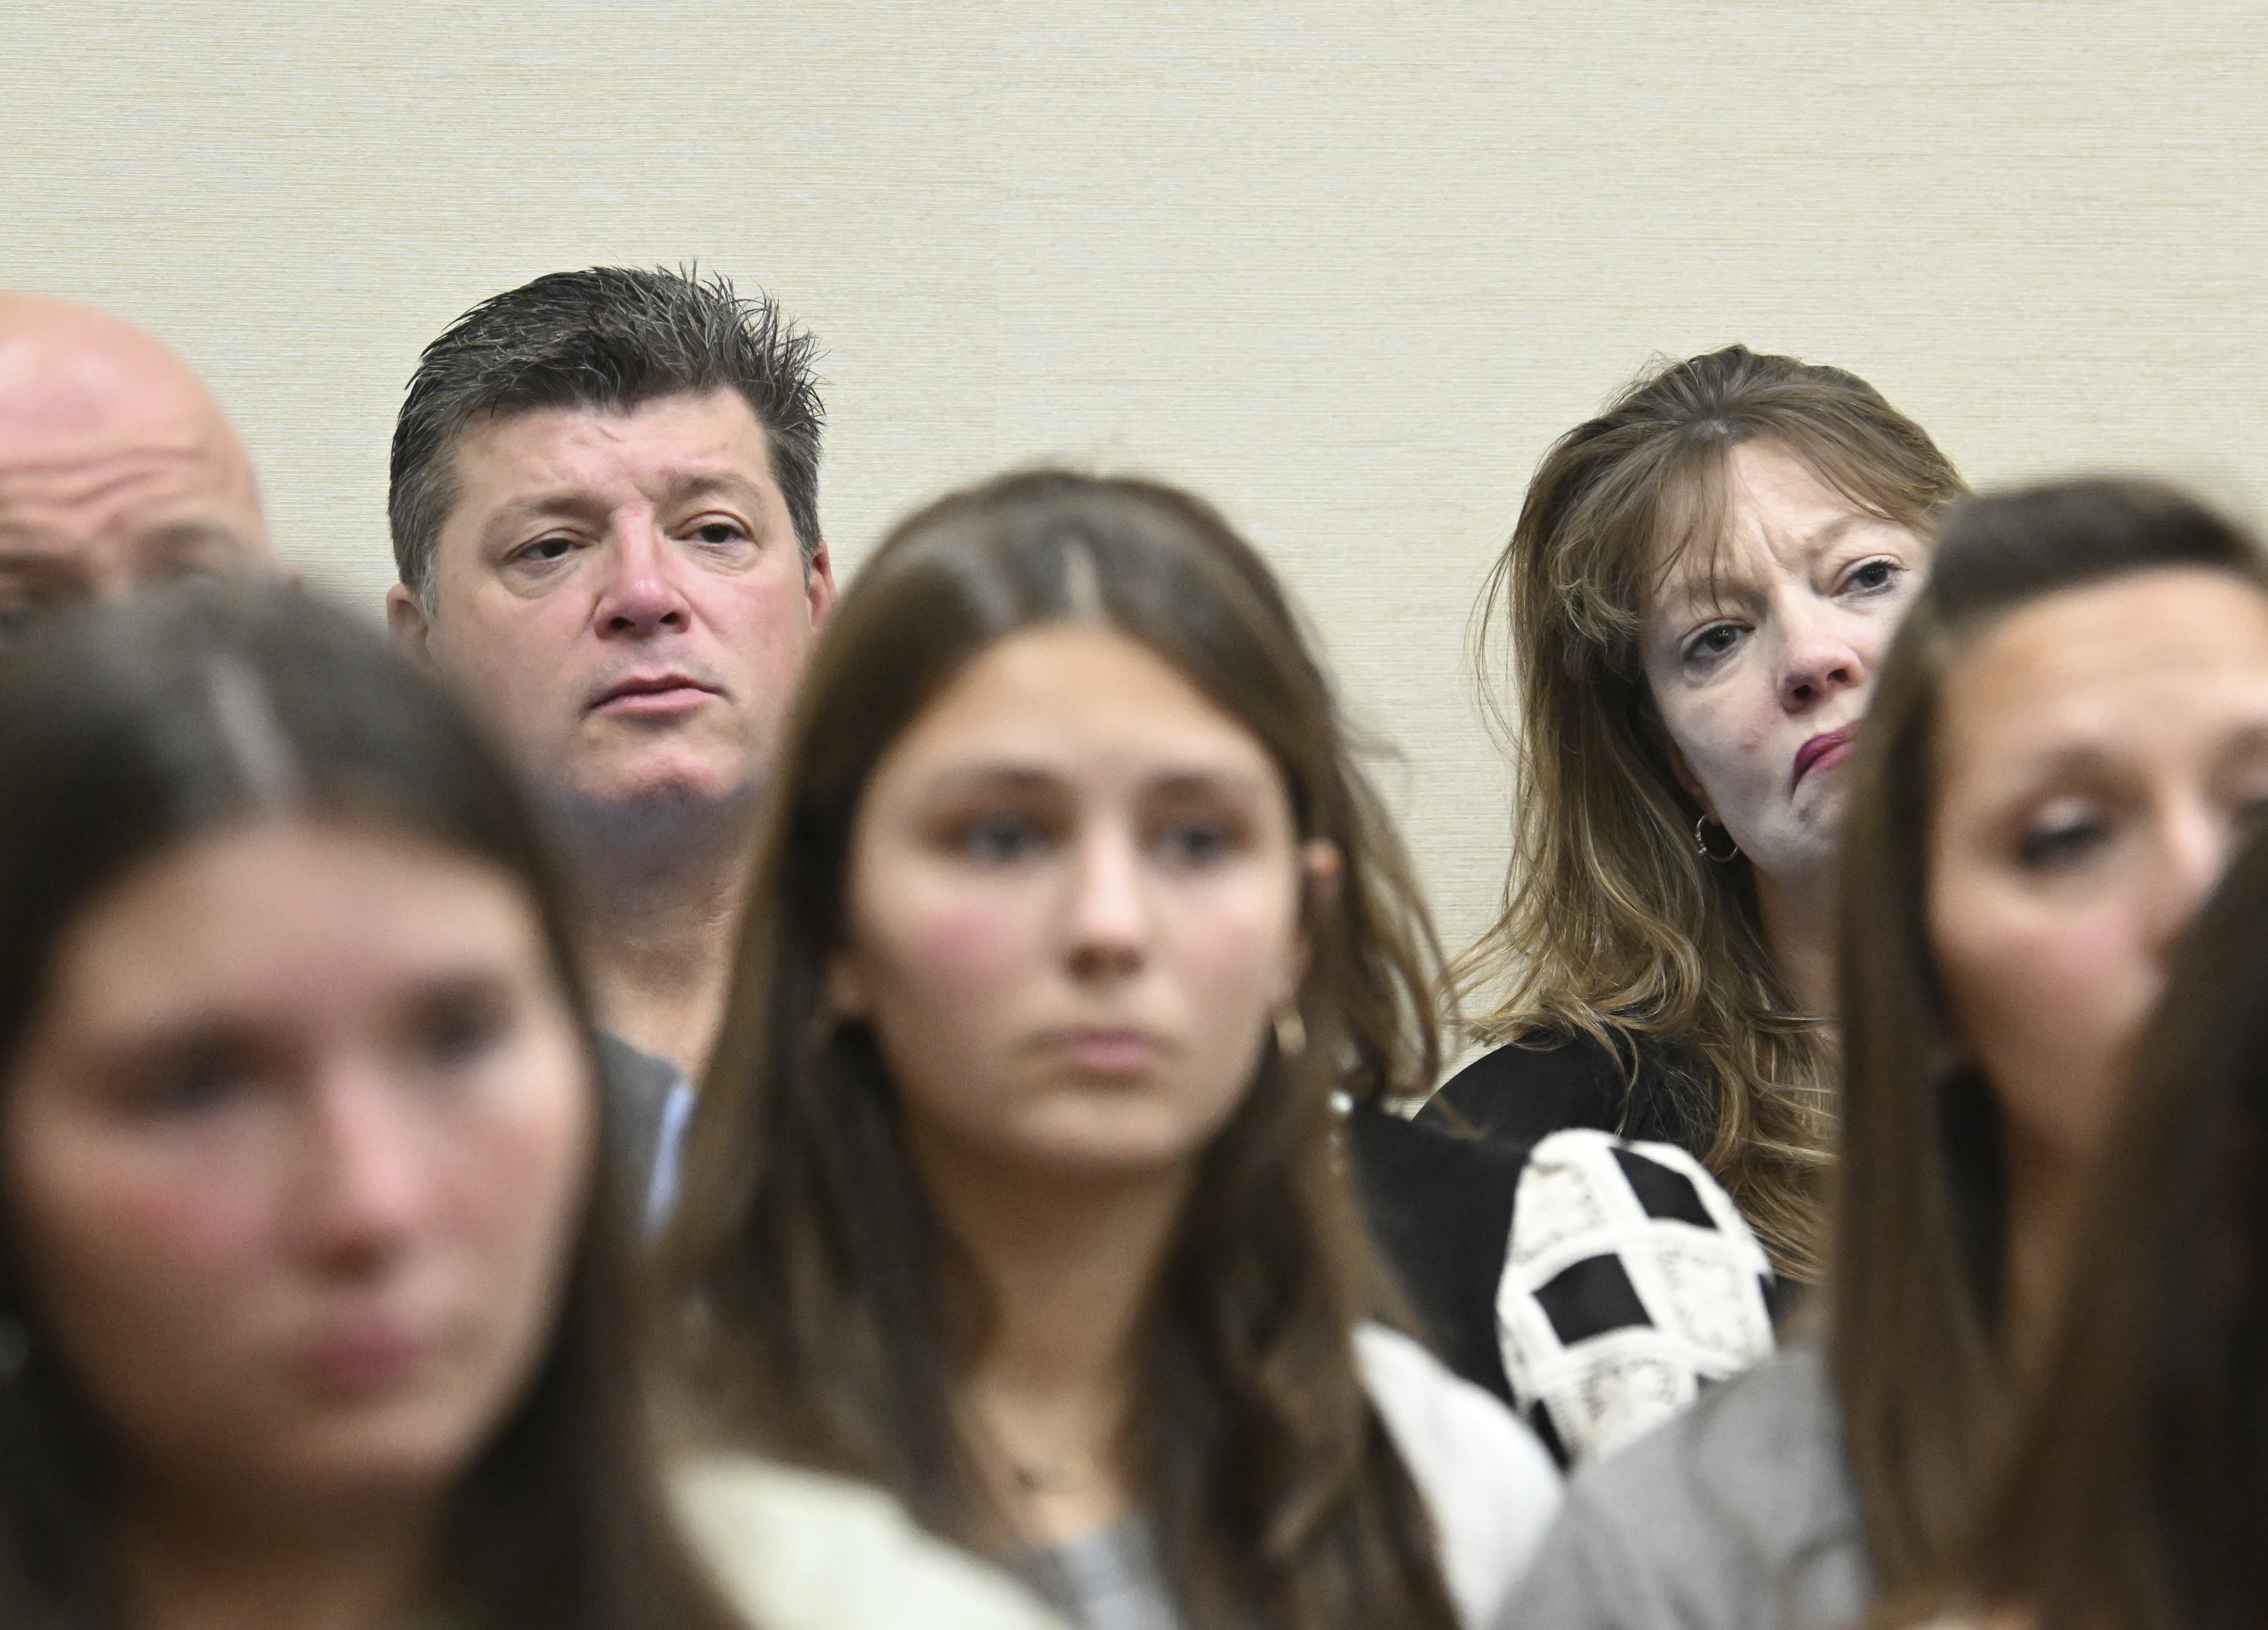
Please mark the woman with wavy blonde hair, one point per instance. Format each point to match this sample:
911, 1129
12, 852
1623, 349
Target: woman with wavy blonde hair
1700, 586
2069, 742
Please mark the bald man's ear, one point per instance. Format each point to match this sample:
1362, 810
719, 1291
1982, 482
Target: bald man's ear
406, 625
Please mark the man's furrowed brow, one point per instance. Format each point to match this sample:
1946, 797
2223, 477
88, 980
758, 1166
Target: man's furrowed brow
696, 484
566, 505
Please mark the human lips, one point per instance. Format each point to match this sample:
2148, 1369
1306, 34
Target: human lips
1829, 746
364, 1357
1103, 1050
653, 693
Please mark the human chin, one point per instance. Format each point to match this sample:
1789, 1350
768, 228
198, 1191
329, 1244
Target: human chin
1103, 1133
385, 1454
669, 769
1819, 800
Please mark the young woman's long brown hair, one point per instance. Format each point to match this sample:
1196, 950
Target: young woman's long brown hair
113, 750
1915, 1344
1612, 925
825, 1315
2137, 1494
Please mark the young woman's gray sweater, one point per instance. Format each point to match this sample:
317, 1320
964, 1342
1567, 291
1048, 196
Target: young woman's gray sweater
1738, 1515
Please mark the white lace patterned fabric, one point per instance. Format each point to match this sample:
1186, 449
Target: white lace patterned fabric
1629, 1282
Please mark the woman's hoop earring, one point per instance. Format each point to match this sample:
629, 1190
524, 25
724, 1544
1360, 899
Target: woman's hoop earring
1701, 844
1291, 1033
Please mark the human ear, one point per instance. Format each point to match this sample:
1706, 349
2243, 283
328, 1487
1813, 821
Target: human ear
819, 584
407, 623
1322, 870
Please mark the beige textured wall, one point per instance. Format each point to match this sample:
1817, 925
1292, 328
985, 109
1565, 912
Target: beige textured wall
1346, 267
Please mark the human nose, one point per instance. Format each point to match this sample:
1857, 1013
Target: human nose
2193, 848
366, 1173
639, 595
1109, 907
110, 576
1821, 656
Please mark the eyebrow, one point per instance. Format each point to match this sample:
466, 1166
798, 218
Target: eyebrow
1185, 781
38, 565
1833, 531
2077, 758
576, 504
1688, 589
176, 537
571, 505
182, 536
683, 488
1030, 777
2082, 757
991, 778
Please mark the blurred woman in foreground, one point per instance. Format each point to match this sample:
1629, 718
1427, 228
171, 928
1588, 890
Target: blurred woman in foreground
1012, 1186
314, 1296
2138, 1494
2070, 733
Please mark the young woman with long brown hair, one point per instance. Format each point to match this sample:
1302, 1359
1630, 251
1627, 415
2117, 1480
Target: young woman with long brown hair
1700, 587
2069, 735
315, 1308
1012, 1186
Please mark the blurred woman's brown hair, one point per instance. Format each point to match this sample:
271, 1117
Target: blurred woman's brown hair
2136, 1496
1917, 1348
825, 1315
1613, 926
116, 748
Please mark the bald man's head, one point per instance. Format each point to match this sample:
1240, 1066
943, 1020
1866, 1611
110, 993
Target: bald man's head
116, 465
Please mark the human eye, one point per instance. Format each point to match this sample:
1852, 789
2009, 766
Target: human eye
1196, 843
1000, 837
2062, 836
549, 550
718, 532
2247, 800
459, 1023
22, 603
17, 617
195, 1077
1876, 576
2250, 815
1194, 828
1706, 648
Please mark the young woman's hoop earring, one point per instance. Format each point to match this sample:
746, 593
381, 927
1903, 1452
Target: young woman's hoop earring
1701, 844
1291, 1033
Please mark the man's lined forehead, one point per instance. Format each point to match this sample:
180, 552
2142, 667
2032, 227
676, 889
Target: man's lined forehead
684, 487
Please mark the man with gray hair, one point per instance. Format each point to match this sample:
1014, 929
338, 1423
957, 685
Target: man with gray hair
605, 507
116, 465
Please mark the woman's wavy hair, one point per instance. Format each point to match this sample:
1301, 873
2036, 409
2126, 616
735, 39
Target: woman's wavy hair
2137, 1492
127, 732
825, 1316
1914, 1289
1612, 925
